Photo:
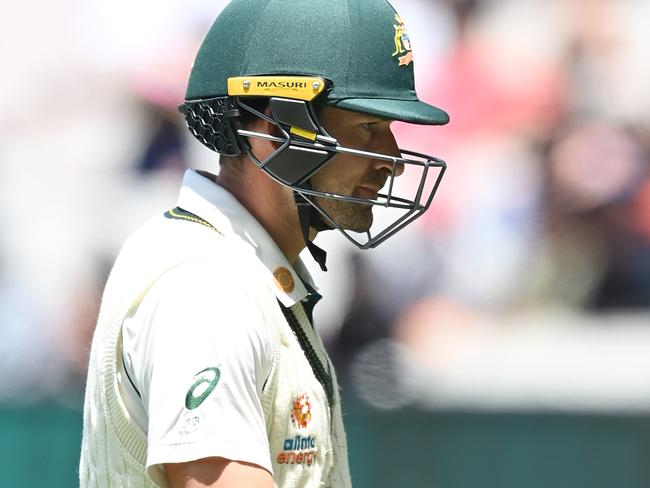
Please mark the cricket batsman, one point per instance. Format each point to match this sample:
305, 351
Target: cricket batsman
206, 369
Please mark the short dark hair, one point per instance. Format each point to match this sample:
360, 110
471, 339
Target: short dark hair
260, 104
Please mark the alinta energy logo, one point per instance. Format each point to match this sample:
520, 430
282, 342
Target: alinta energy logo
402, 43
298, 450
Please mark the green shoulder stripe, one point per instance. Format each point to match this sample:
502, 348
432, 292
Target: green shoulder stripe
180, 214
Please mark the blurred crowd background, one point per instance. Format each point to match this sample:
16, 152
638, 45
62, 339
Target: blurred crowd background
524, 290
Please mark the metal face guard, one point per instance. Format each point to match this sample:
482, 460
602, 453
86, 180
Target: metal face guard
411, 208
305, 147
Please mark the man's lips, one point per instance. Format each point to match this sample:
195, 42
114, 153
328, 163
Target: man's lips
367, 191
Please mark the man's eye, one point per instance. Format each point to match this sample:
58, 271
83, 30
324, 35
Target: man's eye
369, 125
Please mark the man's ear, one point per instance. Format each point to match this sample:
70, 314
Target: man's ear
263, 148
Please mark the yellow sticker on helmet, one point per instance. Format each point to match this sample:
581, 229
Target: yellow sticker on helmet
296, 87
303, 133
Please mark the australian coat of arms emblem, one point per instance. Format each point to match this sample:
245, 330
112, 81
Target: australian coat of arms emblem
402, 43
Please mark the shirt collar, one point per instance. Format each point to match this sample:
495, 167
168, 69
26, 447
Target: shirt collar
201, 196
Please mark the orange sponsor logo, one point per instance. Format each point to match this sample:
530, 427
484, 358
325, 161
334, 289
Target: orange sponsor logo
301, 411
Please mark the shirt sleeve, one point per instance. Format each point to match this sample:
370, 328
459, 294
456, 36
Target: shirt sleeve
200, 351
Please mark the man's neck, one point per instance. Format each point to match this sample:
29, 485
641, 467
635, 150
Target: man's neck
271, 204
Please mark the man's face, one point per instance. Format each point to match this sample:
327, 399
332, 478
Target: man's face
352, 175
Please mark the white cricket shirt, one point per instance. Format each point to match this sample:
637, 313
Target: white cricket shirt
198, 336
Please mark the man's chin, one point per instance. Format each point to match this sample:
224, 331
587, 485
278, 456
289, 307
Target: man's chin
362, 224
352, 217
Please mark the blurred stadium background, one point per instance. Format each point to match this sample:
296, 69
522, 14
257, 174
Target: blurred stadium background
502, 341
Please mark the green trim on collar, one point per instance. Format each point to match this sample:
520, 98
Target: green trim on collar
178, 213
310, 301
323, 375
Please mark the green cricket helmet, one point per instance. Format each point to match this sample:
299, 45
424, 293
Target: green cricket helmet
350, 54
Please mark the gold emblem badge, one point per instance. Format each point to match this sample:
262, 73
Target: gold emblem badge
284, 279
301, 411
402, 43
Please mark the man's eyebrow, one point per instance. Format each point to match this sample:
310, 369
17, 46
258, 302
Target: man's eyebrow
374, 118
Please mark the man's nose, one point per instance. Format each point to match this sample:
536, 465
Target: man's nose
388, 145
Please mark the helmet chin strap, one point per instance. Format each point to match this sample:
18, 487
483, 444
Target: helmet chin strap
308, 217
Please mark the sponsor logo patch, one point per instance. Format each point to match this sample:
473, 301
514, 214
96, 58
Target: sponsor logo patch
281, 84
298, 450
204, 383
301, 412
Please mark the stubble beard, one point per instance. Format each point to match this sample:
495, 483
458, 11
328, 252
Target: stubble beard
355, 217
